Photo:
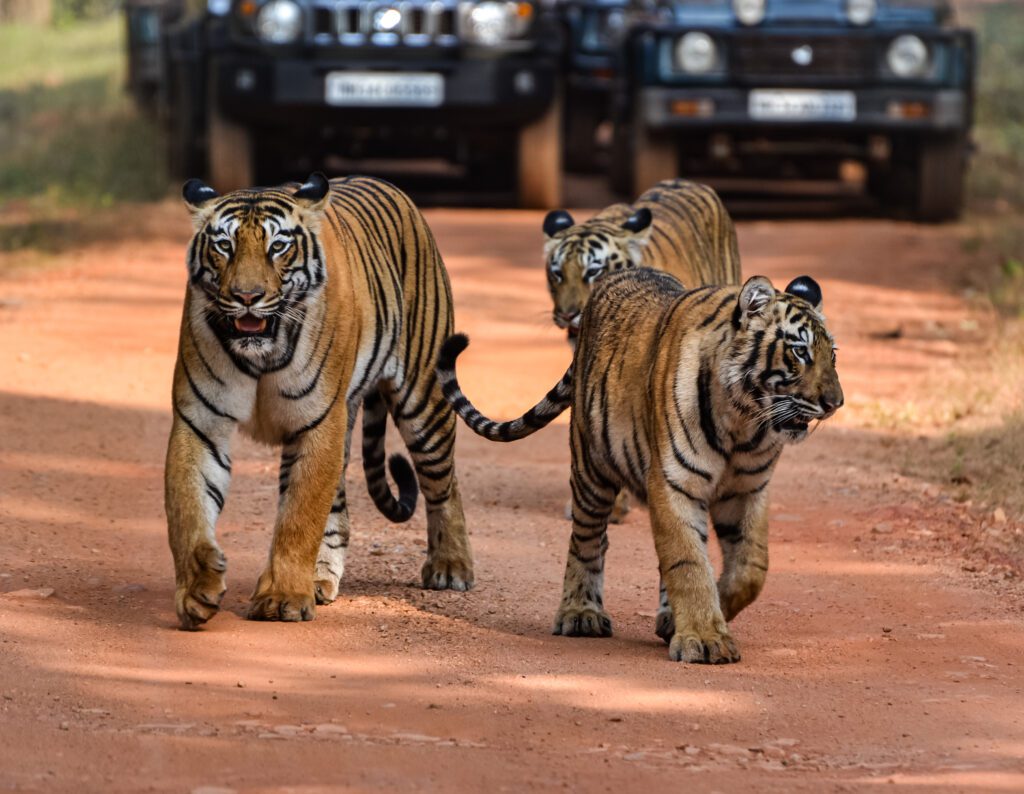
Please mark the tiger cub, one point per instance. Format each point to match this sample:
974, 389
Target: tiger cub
686, 398
304, 303
677, 226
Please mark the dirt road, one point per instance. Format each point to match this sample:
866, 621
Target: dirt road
874, 655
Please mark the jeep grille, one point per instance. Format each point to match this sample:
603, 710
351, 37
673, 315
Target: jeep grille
352, 23
765, 56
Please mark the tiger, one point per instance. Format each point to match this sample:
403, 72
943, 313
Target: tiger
677, 226
686, 398
305, 302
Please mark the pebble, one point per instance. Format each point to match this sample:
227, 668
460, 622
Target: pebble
329, 729
730, 749
882, 528
30, 592
999, 515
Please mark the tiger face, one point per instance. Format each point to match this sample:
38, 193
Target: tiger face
577, 255
255, 260
783, 358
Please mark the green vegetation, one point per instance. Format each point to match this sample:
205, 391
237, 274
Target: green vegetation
72, 137
997, 171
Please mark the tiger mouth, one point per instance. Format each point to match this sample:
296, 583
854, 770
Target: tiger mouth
798, 424
249, 325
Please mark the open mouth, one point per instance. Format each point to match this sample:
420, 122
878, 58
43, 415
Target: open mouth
797, 424
251, 325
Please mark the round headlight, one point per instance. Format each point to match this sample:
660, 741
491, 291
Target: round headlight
749, 12
696, 53
387, 20
861, 12
908, 56
489, 23
279, 22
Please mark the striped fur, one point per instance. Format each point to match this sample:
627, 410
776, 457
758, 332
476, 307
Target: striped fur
305, 302
689, 410
688, 233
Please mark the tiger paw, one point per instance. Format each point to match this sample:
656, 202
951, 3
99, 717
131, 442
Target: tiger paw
274, 604
198, 599
326, 581
709, 647
582, 622
621, 508
442, 574
665, 624
325, 590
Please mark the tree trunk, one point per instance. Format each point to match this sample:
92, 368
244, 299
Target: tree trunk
38, 12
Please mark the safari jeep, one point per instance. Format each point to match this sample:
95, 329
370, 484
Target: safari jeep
259, 90
878, 92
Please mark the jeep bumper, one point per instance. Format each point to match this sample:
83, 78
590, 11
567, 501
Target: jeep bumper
874, 111
507, 91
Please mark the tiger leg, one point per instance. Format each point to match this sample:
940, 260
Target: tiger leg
428, 430
330, 560
581, 612
679, 523
196, 478
619, 511
285, 589
741, 525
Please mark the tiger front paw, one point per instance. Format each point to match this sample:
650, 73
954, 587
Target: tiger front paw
274, 600
198, 598
704, 647
447, 574
587, 621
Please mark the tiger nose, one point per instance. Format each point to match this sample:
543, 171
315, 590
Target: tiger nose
248, 297
830, 403
567, 317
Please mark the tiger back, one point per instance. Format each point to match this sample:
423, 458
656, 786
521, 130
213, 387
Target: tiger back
304, 303
678, 226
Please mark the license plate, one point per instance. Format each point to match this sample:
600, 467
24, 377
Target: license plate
796, 105
382, 89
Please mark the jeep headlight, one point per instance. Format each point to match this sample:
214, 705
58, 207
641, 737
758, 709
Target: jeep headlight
492, 22
279, 22
696, 53
861, 12
907, 56
387, 19
749, 12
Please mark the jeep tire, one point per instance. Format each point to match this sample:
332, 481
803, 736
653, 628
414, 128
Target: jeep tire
230, 150
540, 160
941, 169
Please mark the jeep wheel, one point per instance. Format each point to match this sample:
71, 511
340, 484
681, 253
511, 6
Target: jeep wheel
231, 152
941, 169
540, 160
655, 157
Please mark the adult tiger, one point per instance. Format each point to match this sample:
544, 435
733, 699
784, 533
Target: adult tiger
685, 398
303, 302
677, 226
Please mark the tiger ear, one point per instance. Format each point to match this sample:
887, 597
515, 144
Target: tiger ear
312, 194
557, 221
757, 295
639, 227
198, 195
807, 288
638, 221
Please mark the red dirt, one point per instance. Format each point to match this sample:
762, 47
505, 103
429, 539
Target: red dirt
871, 657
